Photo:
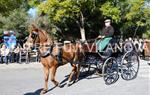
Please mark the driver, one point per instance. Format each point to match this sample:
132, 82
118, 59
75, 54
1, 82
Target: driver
106, 36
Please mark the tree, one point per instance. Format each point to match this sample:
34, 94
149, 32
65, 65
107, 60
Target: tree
8, 5
13, 16
62, 11
17, 21
131, 15
87, 16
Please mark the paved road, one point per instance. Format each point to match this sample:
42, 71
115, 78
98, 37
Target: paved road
27, 79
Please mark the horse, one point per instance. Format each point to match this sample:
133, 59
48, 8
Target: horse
48, 53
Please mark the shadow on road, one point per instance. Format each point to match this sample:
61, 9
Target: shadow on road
83, 75
37, 92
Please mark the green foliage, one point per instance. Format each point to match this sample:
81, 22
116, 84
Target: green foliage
66, 13
13, 16
9, 5
34, 3
57, 10
111, 11
136, 12
16, 20
129, 15
146, 35
63, 17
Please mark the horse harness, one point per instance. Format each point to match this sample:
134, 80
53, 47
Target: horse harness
59, 57
49, 51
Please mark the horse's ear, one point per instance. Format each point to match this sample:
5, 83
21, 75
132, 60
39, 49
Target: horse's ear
29, 28
32, 27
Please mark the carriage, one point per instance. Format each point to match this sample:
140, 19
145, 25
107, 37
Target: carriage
109, 62
117, 58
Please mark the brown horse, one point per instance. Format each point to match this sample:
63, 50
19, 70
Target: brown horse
49, 52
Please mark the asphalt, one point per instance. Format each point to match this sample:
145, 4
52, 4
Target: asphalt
27, 79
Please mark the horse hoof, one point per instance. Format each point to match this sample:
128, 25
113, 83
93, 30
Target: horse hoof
43, 92
75, 80
58, 85
69, 84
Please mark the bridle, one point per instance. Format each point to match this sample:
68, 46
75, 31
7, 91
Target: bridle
34, 36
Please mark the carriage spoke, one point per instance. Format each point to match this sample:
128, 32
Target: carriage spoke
110, 72
130, 66
111, 78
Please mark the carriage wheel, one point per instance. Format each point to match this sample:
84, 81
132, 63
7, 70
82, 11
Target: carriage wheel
110, 71
129, 65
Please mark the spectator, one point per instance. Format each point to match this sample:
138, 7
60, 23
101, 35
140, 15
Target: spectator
136, 44
4, 54
141, 45
0, 56
11, 55
141, 48
24, 52
128, 45
130, 39
17, 54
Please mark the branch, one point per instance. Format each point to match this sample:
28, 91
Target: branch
136, 29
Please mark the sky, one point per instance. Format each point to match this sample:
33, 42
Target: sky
32, 12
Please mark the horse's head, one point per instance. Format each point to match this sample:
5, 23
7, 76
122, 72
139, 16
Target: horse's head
38, 37
34, 35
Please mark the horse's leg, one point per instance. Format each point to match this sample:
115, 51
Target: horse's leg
46, 77
78, 72
53, 73
74, 68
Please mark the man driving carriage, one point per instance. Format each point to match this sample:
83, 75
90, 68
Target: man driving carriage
106, 36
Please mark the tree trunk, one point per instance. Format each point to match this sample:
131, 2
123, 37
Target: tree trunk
81, 26
82, 31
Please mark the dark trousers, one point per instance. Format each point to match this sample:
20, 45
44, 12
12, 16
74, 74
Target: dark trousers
16, 57
4, 59
11, 57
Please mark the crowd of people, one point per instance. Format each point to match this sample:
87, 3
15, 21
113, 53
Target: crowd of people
138, 43
11, 50
12, 55
9, 55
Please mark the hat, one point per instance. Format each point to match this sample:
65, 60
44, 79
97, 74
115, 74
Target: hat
107, 20
67, 42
